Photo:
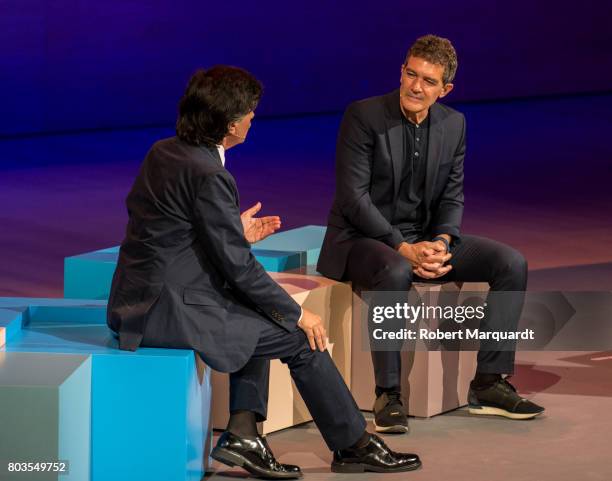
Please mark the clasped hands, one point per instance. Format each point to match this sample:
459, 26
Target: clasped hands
428, 259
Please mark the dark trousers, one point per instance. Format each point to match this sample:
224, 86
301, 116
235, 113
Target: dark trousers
374, 266
320, 384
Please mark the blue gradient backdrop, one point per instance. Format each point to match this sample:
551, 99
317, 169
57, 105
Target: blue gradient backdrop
77, 64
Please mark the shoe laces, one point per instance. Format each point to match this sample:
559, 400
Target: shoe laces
507, 385
269, 456
394, 398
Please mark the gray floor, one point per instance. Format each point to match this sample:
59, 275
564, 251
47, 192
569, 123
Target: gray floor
571, 441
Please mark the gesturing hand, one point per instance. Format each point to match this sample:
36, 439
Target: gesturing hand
312, 325
258, 228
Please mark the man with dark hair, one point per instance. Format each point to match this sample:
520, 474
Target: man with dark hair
186, 278
396, 217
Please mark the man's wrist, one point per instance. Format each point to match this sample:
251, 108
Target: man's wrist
403, 248
445, 239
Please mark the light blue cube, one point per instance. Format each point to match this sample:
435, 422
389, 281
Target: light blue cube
150, 409
89, 275
307, 239
45, 414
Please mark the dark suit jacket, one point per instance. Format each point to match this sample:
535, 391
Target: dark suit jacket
369, 159
186, 277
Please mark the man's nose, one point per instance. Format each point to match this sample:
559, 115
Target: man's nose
416, 86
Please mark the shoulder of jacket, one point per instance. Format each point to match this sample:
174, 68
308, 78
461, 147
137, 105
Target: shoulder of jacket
445, 112
368, 104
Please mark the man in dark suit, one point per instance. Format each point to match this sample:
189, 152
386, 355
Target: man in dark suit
396, 217
186, 278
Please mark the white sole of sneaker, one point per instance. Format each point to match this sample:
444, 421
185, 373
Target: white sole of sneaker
491, 411
397, 428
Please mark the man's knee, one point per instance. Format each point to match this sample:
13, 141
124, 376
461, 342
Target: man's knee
512, 263
395, 276
302, 354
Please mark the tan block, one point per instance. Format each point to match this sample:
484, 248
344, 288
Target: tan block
436, 381
325, 297
2, 336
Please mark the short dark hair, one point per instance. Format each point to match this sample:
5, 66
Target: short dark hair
213, 99
436, 50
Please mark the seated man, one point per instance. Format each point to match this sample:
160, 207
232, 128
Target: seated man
186, 278
396, 217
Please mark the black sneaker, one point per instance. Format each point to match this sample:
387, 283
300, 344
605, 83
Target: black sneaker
389, 414
501, 399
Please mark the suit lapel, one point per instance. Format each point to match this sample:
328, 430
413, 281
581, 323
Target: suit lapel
395, 136
434, 150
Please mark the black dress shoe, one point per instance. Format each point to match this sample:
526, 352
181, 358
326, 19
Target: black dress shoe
501, 399
375, 456
253, 454
389, 414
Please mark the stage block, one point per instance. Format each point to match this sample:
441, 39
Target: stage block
332, 301
89, 275
150, 415
434, 382
307, 239
279, 261
45, 413
10, 324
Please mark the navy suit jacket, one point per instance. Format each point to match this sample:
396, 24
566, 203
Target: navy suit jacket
369, 159
186, 277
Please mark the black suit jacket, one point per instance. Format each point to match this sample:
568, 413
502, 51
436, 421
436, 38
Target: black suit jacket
369, 159
186, 277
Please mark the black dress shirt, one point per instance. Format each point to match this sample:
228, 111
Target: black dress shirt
410, 210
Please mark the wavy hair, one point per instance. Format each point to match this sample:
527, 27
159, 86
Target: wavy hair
214, 99
436, 50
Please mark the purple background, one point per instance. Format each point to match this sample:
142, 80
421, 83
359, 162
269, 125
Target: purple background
80, 82
74, 64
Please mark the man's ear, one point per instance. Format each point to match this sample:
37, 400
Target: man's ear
446, 90
231, 128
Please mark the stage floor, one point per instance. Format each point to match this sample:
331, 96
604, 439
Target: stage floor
569, 442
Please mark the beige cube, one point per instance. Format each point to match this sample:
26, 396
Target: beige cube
434, 381
327, 298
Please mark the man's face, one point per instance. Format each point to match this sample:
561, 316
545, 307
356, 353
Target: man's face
238, 130
242, 126
421, 85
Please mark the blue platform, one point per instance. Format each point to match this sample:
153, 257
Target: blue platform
149, 408
307, 240
45, 413
89, 275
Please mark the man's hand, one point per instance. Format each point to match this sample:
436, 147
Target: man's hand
312, 325
258, 228
427, 258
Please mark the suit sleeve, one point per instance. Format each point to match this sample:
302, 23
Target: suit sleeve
354, 154
218, 225
448, 215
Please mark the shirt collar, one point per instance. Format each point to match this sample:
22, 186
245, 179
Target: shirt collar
221, 154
